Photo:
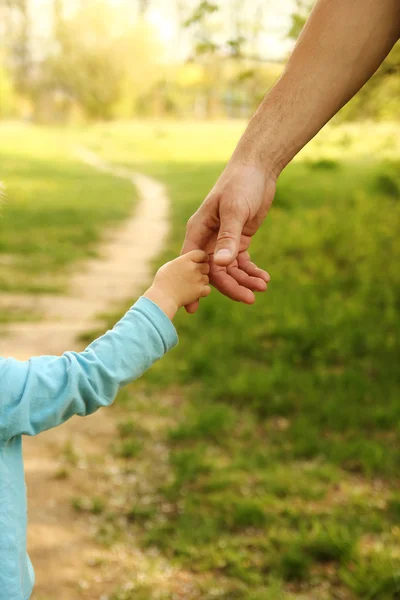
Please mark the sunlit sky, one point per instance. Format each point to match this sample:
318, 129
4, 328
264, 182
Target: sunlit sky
271, 17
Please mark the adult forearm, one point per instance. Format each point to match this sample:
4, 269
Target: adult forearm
341, 46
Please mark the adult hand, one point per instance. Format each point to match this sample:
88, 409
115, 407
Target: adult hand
224, 225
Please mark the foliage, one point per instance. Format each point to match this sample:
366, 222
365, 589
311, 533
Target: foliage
100, 62
204, 8
299, 17
16, 41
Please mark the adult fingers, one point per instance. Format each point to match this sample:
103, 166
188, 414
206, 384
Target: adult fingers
252, 283
250, 268
228, 286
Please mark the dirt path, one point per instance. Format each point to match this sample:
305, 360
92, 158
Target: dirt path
68, 563
120, 273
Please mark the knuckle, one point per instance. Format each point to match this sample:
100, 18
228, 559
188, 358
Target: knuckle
224, 234
233, 204
162, 269
192, 222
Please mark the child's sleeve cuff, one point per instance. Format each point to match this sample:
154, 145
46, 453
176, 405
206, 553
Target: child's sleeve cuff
160, 321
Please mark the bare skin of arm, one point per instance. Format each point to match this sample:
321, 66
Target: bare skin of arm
339, 49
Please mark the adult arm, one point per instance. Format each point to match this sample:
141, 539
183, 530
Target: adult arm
340, 47
46, 391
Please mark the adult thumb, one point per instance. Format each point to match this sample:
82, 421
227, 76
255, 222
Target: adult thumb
228, 241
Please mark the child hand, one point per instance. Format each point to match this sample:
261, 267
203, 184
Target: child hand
180, 282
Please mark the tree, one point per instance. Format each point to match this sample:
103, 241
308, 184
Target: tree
299, 17
234, 70
103, 60
84, 67
6, 92
17, 36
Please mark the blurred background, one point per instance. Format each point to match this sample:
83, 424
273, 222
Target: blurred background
84, 60
260, 459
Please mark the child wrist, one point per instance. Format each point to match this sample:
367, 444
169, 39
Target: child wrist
163, 300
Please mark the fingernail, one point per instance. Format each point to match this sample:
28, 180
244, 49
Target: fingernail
224, 253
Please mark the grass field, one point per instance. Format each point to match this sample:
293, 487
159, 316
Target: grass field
280, 421
54, 209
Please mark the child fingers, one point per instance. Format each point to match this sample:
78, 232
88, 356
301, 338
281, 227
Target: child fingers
204, 268
198, 256
206, 291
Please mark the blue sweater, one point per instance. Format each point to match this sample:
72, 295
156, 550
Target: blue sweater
46, 391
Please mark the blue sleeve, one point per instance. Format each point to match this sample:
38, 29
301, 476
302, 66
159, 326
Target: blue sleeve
43, 392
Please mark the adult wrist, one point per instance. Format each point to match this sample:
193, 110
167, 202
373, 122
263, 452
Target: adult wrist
254, 149
269, 142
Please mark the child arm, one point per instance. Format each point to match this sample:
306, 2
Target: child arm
46, 391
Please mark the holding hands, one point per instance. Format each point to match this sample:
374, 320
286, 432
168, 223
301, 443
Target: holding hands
224, 225
216, 246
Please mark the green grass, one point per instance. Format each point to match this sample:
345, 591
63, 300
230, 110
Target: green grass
282, 438
17, 314
285, 457
54, 211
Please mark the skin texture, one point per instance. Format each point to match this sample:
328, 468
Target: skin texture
180, 282
339, 49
